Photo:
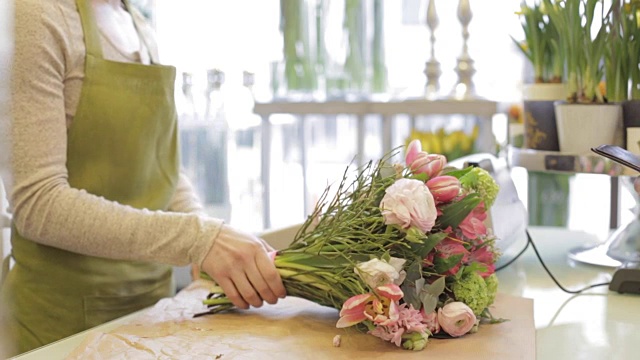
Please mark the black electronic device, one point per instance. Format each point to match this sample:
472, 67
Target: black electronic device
626, 279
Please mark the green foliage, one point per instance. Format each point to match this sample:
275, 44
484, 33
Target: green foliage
583, 51
541, 44
471, 289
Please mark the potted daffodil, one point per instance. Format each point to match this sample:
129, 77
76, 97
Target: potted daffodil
541, 46
585, 119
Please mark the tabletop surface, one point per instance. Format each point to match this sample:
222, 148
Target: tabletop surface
596, 324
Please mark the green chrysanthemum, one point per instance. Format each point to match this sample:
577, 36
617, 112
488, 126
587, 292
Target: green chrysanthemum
480, 181
492, 287
472, 290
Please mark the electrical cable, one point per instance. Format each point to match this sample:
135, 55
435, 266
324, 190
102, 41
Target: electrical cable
535, 249
514, 258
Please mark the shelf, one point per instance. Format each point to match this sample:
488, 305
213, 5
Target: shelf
553, 161
478, 107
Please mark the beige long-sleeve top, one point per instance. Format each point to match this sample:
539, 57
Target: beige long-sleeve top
47, 75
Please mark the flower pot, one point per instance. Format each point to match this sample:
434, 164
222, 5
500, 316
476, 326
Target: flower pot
539, 116
584, 126
630, 115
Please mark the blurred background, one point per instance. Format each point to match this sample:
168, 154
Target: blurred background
277, 97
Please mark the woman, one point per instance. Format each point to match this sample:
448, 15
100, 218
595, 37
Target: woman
100, 210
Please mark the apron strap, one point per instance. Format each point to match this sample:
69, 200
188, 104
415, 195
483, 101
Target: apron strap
90, 29
5, 269
153, 58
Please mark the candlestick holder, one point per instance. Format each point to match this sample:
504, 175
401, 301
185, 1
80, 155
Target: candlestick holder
432, 67
464, 89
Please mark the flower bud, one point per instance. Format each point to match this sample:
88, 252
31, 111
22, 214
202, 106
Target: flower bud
429, 164
415, 340
444, 188
414, 148
456, 318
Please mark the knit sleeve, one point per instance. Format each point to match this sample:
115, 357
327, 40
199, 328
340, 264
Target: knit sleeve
46, 209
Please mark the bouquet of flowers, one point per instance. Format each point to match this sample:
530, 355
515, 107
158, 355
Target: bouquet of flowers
402, 251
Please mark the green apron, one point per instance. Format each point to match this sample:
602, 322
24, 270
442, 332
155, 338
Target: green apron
122, 145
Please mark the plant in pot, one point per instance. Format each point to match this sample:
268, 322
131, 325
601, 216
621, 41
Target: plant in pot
585, 119
542, 48
623, 66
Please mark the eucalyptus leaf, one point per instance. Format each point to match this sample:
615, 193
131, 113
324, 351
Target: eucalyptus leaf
429, 302
436, 288
414, 272
410, 294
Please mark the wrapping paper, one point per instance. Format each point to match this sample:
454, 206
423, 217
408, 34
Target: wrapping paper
292, 329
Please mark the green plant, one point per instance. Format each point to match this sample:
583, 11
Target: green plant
616, 54
631, 16
583, 51
540, 45
299, 71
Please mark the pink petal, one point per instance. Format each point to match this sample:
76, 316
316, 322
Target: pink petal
414, 148
351, 318
355, 302
390, 291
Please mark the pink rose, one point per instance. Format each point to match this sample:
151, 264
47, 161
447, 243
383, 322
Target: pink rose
444, 188
408, 202
456, 318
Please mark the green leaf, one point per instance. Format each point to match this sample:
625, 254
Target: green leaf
414, 271
453, 214
442, 265
457, 173
411, 292
473, 267
429, 302
429, 242
422, 177
430, 294
436, 288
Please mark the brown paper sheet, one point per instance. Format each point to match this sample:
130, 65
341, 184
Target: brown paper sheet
292, 329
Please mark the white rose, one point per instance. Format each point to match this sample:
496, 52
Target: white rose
376, 272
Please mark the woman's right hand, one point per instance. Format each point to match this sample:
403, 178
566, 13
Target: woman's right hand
240, 264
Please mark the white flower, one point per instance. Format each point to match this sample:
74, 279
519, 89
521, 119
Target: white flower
408, 202
376, 272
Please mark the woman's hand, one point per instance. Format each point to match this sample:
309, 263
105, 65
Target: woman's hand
239, 263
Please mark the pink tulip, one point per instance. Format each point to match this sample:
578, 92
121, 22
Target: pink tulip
353, 310
444, 188
429, 164
382, 309
456, 318
390, 291
414, 148
421, 162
